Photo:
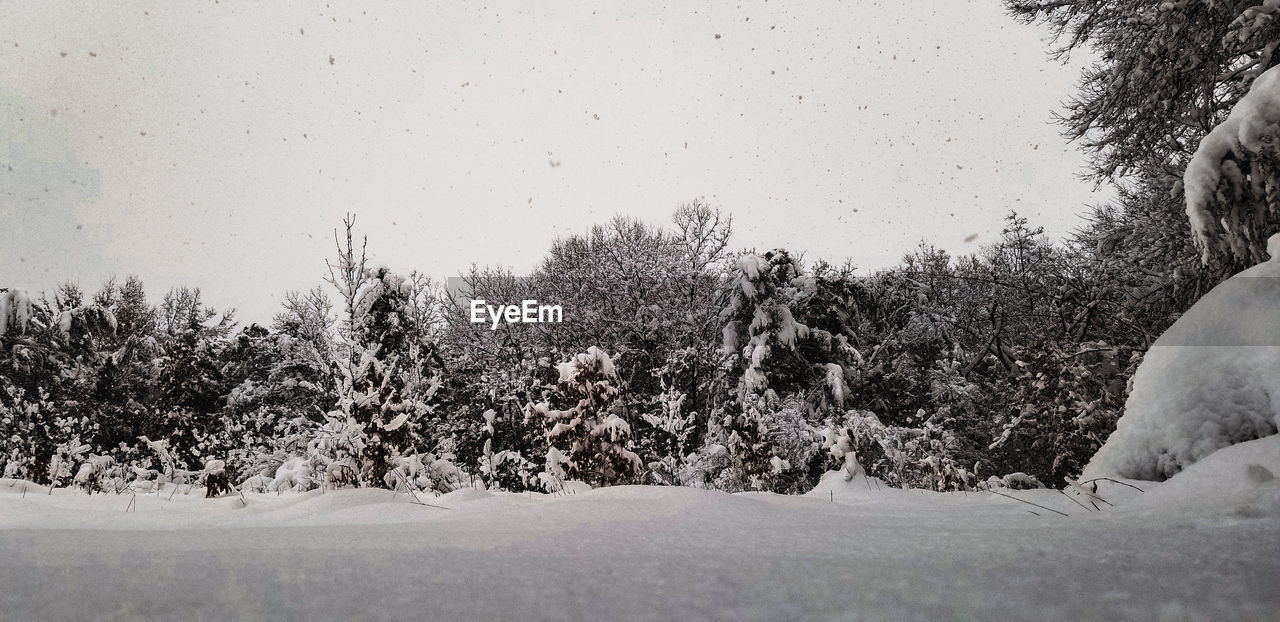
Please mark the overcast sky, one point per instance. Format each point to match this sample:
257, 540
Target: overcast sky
218, 146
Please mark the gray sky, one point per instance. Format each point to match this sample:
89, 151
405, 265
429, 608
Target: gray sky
218, 146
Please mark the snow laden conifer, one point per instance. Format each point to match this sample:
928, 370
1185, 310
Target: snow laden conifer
384, 363
385, 390
757, 438
587, 439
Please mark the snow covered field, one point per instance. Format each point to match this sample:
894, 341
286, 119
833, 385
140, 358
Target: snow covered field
1191, 548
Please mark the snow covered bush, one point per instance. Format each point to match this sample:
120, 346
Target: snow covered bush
1012, 481
339, 445
425, 472
1063, 406
101, 473
664, 435
65, 458
1208, 382
509, 470
771, 445
215, 478
908, 457
22, 436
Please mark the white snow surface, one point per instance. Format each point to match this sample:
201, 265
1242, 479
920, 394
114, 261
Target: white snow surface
1211, 380
1185, 549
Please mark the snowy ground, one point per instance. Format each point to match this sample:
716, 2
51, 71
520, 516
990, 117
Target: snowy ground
1190, 548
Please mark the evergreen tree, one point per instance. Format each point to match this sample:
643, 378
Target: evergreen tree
587, 439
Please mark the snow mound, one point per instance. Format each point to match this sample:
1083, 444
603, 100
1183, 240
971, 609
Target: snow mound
1241, 481
840, 486
1210, 381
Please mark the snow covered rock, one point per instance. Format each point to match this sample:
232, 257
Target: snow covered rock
1211, 380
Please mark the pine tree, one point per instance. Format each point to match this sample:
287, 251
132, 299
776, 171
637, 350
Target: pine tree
587, 440
757, 420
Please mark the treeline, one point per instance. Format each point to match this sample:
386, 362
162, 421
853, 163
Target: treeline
679, 361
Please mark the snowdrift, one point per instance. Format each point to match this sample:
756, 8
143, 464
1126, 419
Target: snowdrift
1238, 482
1210, 381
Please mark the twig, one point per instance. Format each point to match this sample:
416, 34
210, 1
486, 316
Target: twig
1111, 480
1028, 503
400, 479
1073, 499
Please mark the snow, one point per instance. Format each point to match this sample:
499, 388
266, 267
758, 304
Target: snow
1252, 121
1189, 548
614, 427
15, 311
593, 360
835, 382
1208, 382
1236, 482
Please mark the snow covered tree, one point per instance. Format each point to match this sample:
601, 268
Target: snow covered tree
303, 375
387, 390
702, 234
346, 274
376, 397
587, 440
1233, 180
753, 422
1168, 74
917, 457
191, 379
